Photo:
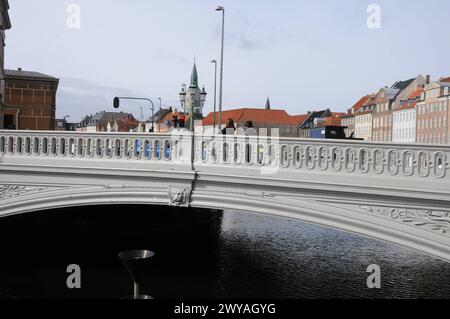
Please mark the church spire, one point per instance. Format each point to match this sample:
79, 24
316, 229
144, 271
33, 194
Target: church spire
267, 104
194, 77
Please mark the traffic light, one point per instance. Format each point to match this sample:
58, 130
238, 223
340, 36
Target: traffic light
116, 103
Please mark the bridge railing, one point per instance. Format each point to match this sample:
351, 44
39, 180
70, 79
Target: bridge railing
268, 154
91, 146
272, 155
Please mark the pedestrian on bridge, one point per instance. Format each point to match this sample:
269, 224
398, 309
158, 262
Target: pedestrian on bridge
250, 129
230, 128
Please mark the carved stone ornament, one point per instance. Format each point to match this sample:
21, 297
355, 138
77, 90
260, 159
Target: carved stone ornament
179, 197
10, 191
433, 220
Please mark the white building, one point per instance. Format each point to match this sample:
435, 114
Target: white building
404, 125
363, 125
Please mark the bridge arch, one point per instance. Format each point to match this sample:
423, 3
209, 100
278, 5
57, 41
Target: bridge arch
369, 221
394, 192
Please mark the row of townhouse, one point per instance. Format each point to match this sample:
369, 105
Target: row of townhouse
411, 111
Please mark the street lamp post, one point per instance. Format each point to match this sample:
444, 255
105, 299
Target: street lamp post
183, 94
116, 104
203, 95
160, 114
192, 110
221, 8
215, 94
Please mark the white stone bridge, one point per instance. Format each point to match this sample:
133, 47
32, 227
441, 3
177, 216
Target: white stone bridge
398, 193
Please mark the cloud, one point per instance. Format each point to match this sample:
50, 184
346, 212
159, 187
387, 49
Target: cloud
246, 34
77, 97
172, 58
250, 44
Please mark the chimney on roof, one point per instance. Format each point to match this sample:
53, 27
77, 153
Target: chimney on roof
19, 69
428, 79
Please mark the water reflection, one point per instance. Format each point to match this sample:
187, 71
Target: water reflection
202, 254
263, 256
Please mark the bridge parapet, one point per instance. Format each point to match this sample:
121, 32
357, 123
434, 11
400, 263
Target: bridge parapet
273, 155
268, 155
87, 146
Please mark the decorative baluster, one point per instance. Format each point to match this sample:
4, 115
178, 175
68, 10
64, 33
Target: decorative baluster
440, 164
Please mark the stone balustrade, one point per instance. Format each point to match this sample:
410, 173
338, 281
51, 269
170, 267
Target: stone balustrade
272, 154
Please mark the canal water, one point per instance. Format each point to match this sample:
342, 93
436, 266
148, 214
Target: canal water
204, 254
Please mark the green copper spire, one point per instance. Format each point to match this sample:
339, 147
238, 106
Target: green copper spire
194, 77
267, 104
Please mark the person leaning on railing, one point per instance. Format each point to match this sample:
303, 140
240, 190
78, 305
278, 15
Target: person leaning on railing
250, 129
230, 128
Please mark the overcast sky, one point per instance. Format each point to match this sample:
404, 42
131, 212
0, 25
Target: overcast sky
304, 54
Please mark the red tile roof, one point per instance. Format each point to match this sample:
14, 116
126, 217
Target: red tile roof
361, 102
125, 124
169, 116
298, 119
371, 99
257, 116
445, 80
416, 94
333, 121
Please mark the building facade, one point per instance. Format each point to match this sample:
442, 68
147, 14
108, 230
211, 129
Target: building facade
404, 129
348, 119
404, 125
364, 119
5, 24
63, 125
314, 120
363, 125
30, 100
108, 121
264, 120
193, 98
382, 115
388, 100
433, 114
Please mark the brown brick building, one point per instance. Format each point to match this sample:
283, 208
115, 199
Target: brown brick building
30, 100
